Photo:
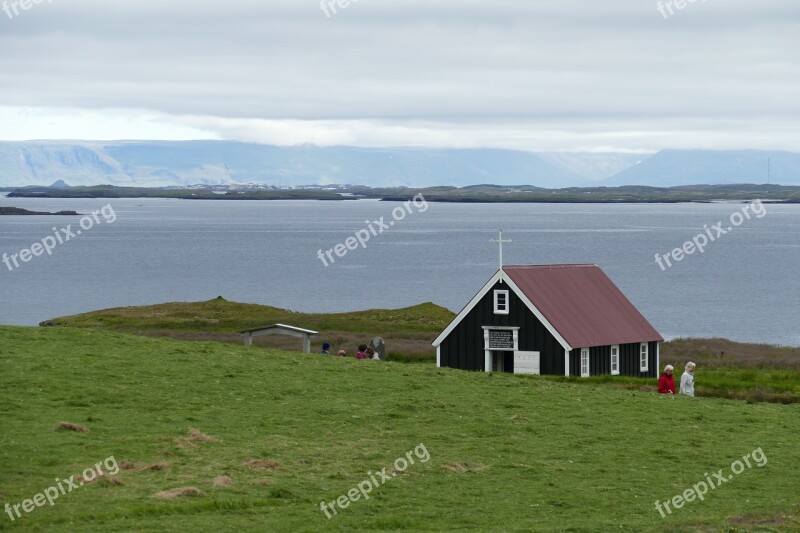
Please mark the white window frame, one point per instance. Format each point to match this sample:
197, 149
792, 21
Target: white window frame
644, 357
513, 329
497, 309
615, 360
585, 354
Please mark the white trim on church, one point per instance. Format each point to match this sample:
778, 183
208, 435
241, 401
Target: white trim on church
500, 276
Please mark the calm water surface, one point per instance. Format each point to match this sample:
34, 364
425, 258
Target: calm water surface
744, 287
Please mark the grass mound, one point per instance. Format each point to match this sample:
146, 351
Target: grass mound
69, 426
222, 481
182, 492
408, 332
195, 435
463, 467
161, 465
262, 465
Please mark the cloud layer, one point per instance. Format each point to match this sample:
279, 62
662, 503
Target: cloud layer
544, 75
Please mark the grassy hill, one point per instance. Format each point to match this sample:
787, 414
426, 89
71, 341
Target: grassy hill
506, 453
408, 332
726, 369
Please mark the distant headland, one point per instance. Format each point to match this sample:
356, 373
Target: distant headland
16, 211
470, 194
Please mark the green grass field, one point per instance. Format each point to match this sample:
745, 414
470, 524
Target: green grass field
751, 384
507, 453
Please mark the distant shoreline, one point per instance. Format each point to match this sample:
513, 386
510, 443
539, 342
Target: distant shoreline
17, 211
474, 194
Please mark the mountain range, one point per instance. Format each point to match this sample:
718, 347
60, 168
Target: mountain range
180, 163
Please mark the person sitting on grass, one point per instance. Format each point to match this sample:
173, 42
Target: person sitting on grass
666, 382
687, 380
342, 353
370, 353
361, 352
326, 348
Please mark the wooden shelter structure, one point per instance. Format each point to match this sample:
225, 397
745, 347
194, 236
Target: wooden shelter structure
280, 329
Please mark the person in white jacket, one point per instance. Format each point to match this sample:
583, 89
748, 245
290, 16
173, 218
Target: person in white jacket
687, 380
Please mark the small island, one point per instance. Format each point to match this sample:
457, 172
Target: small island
17, 211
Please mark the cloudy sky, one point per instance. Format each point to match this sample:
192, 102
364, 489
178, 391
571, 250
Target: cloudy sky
572, 75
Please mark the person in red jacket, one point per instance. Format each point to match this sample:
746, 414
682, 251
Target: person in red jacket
666, 382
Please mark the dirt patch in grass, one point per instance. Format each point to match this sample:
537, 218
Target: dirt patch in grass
395, 472
69, 426
722, 353
183, 492
758, 523
464, 467
260, 464
195, 435
411, 347
162, 465
127, 465
778, 523
103, 479
758, 394
222, 481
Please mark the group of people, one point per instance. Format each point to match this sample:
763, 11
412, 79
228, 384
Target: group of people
364, 352
666, 382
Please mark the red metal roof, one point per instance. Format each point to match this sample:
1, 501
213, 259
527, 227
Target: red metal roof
582, 304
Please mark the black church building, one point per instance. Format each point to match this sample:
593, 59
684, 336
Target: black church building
567, 320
